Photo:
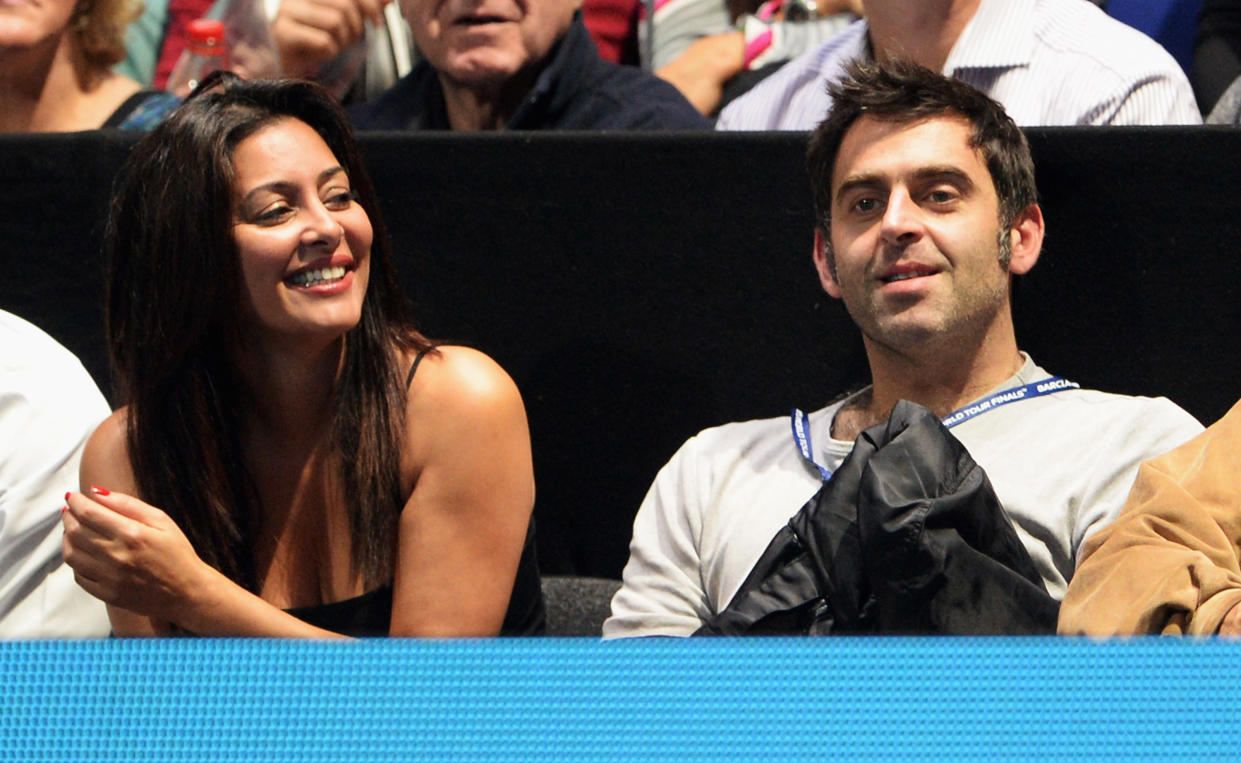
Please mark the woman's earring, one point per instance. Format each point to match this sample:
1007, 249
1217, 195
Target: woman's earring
81, 17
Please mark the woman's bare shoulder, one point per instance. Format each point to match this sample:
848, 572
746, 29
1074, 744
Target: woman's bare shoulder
457, 396
461, 378
105, 460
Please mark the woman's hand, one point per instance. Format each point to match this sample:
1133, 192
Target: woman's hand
132, 555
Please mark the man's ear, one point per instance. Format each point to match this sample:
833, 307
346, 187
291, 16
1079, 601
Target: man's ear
1026, 237
823, 263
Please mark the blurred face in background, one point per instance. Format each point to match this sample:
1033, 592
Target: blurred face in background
26, 24
484, 43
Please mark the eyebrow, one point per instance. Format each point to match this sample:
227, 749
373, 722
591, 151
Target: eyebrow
946, 172
280, 186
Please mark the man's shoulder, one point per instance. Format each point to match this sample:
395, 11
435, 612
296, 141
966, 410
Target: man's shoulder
626, 97
1074, 28
49, 403
1119, 404
39, 365
757, 443
741, 435
396, 107
1092, 418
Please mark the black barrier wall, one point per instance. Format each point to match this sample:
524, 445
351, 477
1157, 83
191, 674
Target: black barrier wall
642, 287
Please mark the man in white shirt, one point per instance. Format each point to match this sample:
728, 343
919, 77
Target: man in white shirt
926, 206
1049, 62
49, 405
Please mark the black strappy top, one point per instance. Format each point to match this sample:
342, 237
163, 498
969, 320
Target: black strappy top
371, 613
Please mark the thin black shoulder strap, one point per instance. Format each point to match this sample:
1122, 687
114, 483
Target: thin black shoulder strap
414, 366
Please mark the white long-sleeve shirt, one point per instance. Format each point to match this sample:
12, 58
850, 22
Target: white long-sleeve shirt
1049, 62
49, 405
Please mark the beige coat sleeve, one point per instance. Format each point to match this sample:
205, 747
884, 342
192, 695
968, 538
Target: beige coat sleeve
1170, 562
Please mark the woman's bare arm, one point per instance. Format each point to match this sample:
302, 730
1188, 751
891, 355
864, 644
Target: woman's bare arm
460, 538
135, 558
464, 525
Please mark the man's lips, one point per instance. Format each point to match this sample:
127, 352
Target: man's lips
479, 19
906, 271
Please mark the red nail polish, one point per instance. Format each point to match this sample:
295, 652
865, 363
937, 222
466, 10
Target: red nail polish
63, 509
99, 490
67, 497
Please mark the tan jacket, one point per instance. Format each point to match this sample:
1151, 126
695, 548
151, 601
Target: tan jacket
1171, 562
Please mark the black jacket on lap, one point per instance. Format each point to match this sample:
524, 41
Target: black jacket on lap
577, 90
907, 537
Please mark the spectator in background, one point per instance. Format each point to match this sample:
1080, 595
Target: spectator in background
714, 50
1050, 62
355, 48
1217, 51
49, 405
1217, 61
504, 64
292, 458
613, 25
55, 74
1227, 110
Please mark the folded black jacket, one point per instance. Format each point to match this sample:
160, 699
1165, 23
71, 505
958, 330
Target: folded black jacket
907, 537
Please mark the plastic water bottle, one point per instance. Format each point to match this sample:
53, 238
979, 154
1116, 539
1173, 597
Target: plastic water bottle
205, 51
251, 51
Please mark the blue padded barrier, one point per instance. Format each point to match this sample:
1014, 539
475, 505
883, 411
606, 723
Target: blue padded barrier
896, 699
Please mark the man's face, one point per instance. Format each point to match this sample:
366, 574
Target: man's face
484, 43
916, 235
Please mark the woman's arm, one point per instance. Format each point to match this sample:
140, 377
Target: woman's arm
467, 455
464, 524
135, 558
105, 461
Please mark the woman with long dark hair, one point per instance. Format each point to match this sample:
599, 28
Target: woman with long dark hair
292, 458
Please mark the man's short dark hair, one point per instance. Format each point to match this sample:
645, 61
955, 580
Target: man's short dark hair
904, 92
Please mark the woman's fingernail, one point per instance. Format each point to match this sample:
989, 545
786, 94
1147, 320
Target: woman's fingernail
63, 509
99, 490
67, 497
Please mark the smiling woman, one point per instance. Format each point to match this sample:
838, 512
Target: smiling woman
289, 459
286, 174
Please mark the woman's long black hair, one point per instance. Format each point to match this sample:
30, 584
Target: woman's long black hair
174, 288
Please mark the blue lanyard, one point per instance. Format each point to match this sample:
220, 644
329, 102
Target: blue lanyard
1048, 386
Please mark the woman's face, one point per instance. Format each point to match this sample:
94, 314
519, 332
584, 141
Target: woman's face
303, 240
27, 23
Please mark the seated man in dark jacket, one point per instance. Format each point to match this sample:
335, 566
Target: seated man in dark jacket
529, 65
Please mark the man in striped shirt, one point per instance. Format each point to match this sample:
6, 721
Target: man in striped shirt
1049, 62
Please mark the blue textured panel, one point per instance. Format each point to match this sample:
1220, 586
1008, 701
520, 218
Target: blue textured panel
563, 699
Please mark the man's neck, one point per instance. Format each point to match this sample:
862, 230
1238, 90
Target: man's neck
923, 32
472, 108
939, 381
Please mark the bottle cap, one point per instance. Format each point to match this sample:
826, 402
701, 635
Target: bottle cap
206, 33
